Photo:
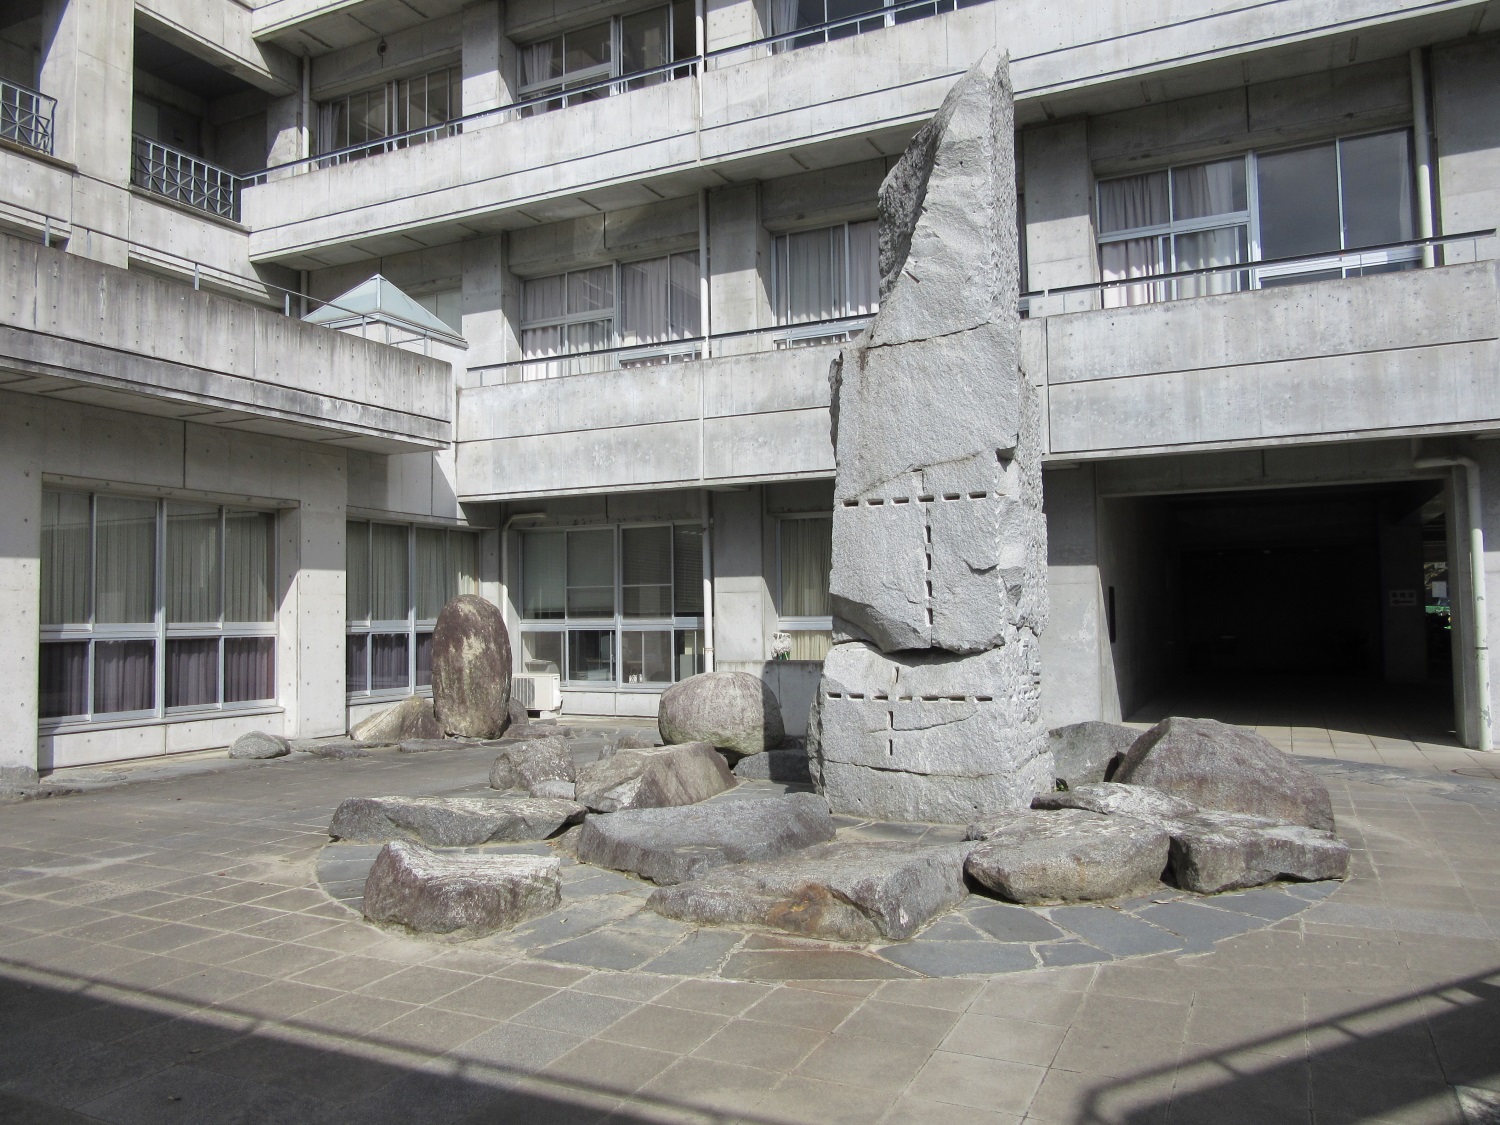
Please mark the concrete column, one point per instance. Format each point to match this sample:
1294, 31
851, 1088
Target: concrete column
284, 130
311, 621
1466, 119
20, 582
489, 59
491, 306
742, 596
732, 22
739, 260
1060, 248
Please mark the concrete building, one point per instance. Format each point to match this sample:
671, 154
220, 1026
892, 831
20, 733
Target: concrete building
622, 242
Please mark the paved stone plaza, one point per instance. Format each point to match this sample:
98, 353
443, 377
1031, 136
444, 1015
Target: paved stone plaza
173, 948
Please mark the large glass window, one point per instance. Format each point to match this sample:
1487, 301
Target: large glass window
805, 560
153, 607
613, 48
825, 274
852, 16
613, 607
430, 102
399, 577
1321, 205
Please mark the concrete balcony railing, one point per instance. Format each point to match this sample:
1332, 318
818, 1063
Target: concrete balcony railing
96, 333
27, 117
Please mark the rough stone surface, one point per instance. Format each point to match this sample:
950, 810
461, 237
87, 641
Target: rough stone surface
413, 717
731, 710
471, 668
1086, 752
525, 732
842, 891
1218, 766
655, 778
429, 745
1070, 855
553, 787
337, 747
463, 896
673, 845
786, 766
519, 716
1140, 801
451, 822
258, 744
525, 765
1216, 851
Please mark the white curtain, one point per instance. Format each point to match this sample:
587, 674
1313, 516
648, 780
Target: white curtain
389, 668
249, 669
249, 566
388, 572
124, 676
864, 268
63, 673
806, 561
543, 574
810, 644
541, 62
464, 552
429, 581
125, 561
193, 672
65, 559
1208, 189
1133, 202
782, 16
812, 275
644, 316
1206, 249
357, 571
192, 563
684, 317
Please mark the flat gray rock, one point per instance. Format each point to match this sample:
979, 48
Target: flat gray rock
730, 710
1218, 766
1115, 799
1227, 851
413, 717
553, 787
786, 766
1070, 855
337, 747
841, 891
451, 822
429, 745
462, 896
673, 845
657, 778
258, 744
1086, 752
471, 668
526, 764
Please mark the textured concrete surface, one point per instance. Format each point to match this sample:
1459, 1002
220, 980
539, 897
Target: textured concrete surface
167, 954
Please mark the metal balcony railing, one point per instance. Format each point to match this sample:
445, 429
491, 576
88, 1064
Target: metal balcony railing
185, 178
26, 116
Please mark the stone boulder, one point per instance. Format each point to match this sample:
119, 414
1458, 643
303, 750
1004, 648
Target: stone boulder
789, 767
337, 748
553, 787
524, 765
730, 710
471, 668
1218, 766
413, 717
525, 732
1114, 799
1070, 856
673, 845
1216, 851
462, 896
451, 822
258, 744
841, 891
655, 778
519, 716
1088, 752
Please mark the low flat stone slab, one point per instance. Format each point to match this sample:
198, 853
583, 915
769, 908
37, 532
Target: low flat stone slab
660, 777
464, 896
452, 822
841, 891
673, 845
526, 764
1070, 855
565, 790
258, 744
429, 745
1114, 799
338, 747
790, 767
1226, 851
413, 717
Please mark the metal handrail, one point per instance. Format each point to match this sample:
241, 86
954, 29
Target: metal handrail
185, 178
27, 117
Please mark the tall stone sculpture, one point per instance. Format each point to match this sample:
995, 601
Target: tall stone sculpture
928, 707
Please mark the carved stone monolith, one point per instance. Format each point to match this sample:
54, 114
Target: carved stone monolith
929, 705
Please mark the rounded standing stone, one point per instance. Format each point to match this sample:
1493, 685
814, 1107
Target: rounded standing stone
730, 710
258, 744
471, 668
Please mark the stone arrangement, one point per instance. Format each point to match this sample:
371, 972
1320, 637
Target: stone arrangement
732, 711
461, 896
471, 668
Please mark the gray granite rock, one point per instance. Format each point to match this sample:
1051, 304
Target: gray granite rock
730, 710
1087, 752
525, 732
1218, 766
451, 822
258, 744
1216, 851
413, 717
523, 765
519, 716
429, 745
840, 891
471, 668
1113, 798
789, 767
461, 896
553, 787
673, 845
1070, 855
337, 747
655, 778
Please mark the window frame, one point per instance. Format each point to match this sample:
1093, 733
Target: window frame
572, 80
811, 333
395, 108
793, 624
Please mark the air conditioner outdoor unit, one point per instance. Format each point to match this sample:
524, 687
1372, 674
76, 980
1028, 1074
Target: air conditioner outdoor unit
537, 690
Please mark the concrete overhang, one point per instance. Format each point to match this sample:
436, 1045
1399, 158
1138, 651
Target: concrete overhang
219, 32
77, 330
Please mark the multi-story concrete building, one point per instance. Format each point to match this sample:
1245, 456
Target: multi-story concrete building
620, 243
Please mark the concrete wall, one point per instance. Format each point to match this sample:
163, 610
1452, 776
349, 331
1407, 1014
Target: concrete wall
1466, 123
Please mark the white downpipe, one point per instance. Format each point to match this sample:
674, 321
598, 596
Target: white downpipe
506, 601
304, 140
1475, 504
708, 581
1422, 135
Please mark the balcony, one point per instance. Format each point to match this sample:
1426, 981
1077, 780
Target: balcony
184, 178
27, 117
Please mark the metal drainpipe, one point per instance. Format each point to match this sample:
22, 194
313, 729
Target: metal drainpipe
1422, 136
505, 598
304, 140
708, 581
1476, 581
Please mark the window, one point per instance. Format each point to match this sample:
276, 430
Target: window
425, 101
805, 560
153, 608
625, 45
612, 607
398, 579
826, 274
786, 16
645, 306
1322, 205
